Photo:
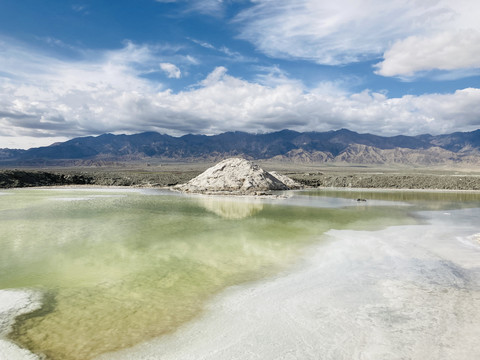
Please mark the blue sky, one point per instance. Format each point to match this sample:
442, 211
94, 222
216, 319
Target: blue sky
78, 68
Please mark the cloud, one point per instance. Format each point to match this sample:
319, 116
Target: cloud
332, 33
171, 70
273, 76
48, 99
413, 36
231, 55
253, 107
444, 51
235, 55
79, 7
207, 7
204, 44
191, 60
57, 98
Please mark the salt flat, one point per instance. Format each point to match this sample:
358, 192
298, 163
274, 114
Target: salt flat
402, 292
314, 273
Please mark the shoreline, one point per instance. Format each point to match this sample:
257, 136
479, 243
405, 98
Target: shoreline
350, 178
347, 189
276, 195
240, 195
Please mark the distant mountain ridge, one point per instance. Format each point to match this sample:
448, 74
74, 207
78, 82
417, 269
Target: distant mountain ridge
342, 146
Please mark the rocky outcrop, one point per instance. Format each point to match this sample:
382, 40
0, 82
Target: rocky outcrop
20, 178
233, 176
94, 176
390, 181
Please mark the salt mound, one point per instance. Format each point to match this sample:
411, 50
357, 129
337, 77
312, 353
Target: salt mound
292, 184
233, 176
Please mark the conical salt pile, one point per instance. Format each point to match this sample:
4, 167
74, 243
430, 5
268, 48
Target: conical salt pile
233, 176
292, 184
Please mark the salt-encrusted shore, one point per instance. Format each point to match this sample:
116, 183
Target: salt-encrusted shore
313, 177
405, 292
12, 304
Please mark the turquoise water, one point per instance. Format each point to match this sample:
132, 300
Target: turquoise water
118, 267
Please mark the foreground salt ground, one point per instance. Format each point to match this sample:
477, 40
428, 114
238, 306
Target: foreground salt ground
12, 304
76, 330
405, 292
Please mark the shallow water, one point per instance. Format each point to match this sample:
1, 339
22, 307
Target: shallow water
119, 267
404, 292
423, 200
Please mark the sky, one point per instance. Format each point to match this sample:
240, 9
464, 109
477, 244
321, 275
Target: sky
82, 68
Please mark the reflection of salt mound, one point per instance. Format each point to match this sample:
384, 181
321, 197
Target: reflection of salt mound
231, 209
234, 176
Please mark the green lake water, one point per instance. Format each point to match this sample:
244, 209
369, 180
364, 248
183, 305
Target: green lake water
118, 267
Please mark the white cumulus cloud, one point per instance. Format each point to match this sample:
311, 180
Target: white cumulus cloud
44, 99
171, 70
444, 51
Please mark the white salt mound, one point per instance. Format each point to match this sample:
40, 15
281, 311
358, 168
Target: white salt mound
233, 176
292, 184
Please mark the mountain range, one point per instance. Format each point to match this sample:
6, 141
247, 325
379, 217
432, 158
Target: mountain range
340, 146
